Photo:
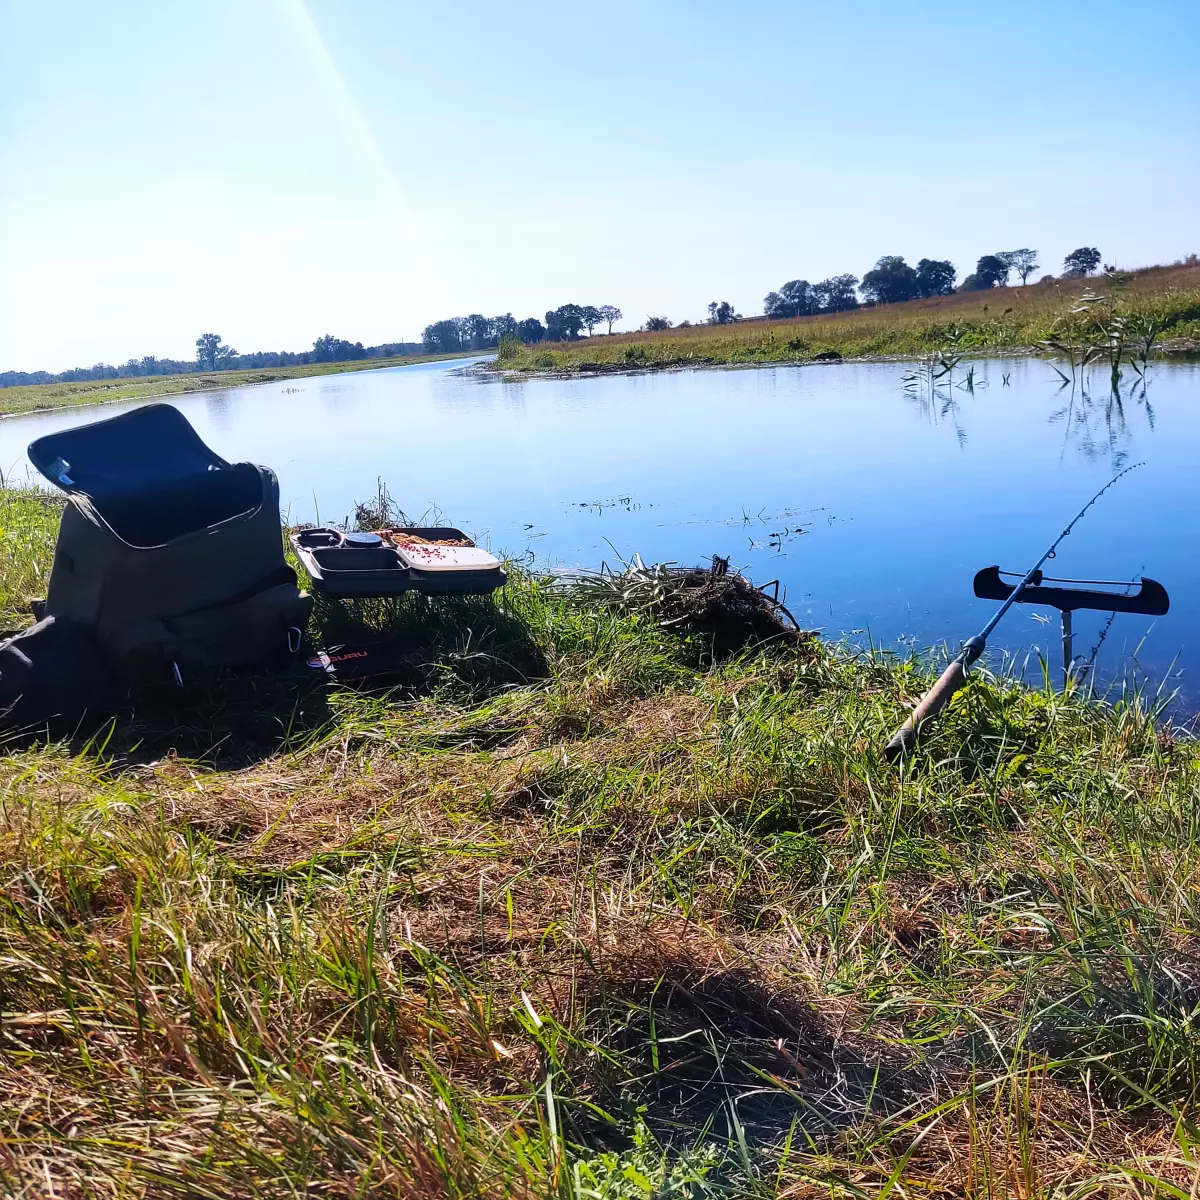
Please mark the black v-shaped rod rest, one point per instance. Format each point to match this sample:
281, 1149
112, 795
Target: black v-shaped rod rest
1150, 599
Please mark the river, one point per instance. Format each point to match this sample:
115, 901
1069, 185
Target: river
872, 502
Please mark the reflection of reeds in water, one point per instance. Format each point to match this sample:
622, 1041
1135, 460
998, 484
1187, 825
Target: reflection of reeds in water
932, 385
1100, 425
1096, 421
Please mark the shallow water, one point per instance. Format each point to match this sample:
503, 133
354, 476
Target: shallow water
872, 504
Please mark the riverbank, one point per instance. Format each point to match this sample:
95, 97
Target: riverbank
27, 398
575, 910
1004, 320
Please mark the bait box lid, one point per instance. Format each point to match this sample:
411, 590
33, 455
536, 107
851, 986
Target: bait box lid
421, 556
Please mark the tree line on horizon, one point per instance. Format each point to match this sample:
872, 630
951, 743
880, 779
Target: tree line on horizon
890, 281
477, 332
213, 355
893, 281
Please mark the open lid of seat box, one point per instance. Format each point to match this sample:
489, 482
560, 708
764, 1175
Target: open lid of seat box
142, 451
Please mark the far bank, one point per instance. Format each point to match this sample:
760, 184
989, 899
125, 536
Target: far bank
1157, 308
43, 396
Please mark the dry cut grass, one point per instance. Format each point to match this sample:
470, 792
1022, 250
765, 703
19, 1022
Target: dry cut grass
573, 910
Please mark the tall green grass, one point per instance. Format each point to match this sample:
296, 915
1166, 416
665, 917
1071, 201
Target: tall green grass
569, 913
28, 529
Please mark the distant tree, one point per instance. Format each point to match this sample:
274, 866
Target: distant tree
656, 324
990, 271
477, 332
722, 313
1081, 262
443, 337
935, 277
326, 349
1007, 257
530, 330
206, 350
794, 299
836, 294
610, 314
591, 316
1023, 261
798, 294
211, 352
500, 328
564, 323
892, 281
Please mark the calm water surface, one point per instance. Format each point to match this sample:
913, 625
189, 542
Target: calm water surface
873, 505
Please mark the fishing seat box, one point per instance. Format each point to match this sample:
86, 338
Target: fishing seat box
169, 554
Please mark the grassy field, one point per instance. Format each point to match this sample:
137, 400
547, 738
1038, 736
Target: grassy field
573, 911
1017, 318
33, 397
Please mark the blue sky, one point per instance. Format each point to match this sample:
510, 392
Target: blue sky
279, 169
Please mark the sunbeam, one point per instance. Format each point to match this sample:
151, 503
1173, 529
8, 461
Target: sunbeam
357, 129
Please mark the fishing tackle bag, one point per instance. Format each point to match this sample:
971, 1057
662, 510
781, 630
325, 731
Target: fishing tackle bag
170, 556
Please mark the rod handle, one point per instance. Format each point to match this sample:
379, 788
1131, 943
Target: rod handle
932, 703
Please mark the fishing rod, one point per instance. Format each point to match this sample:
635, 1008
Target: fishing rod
955, 675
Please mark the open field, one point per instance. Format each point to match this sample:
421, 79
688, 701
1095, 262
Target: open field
574, 911
32, 397
1011, 318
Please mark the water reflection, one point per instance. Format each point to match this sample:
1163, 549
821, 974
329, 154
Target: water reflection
936, 404
216, 404
1099, 417
1099, 425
